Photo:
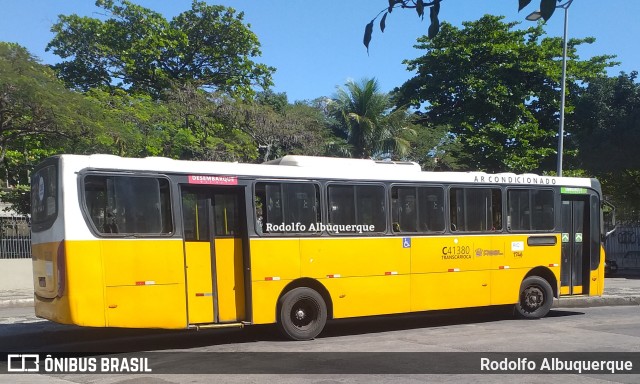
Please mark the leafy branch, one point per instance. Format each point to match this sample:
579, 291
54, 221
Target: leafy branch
547, 8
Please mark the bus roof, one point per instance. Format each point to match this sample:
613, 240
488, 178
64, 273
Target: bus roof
313, 167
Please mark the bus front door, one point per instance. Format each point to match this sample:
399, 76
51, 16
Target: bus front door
574, 269
213, 238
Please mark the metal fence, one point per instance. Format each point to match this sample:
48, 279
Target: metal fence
623, 246
15, 237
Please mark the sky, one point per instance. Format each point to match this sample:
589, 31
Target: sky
316, 46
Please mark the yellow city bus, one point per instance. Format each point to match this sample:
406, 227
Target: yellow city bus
161, 243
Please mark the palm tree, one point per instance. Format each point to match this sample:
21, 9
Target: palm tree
365, 119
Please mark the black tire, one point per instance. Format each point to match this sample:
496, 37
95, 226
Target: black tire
535, 299
302, 314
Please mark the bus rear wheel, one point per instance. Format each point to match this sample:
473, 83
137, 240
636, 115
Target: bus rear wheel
302, 314
536, 298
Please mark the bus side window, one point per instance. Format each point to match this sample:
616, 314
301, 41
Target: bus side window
530, 210
128, 204
351, 205
404, 209
431, 209
259, 203
279, 205
476, 209
341, 204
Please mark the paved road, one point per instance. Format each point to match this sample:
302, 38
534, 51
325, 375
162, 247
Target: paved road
488, 333
592, 328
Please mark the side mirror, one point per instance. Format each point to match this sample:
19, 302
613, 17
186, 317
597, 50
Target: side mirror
608, 219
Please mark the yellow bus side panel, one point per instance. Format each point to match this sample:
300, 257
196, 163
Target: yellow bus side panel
451, 271
371, 295
352, 297
127, 262
505, 285
275, 258
349, 257
146, 306
440, 254
265, 300
82, 302
145, 283
85, 283
449, 290
509, 269
199, 282
230, 279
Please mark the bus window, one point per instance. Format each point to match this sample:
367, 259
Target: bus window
431, 209
44, 192
227, 221
370, 206
287, 207
342, 209
417, 209
195, 212
530, 210
476, 209
357, 205
128, 204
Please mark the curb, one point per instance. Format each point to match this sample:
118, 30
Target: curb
601, 301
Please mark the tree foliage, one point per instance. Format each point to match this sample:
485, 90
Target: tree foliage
138, 50
276, 127
605, 128
547, 8
498, 89
366, 121
38, 115
606, 122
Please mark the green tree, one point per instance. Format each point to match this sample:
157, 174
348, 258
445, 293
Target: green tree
139, 126
433, 148
366, 121
605, 128
547, 8
498, 89
138, 50
276, 127
202, 130
38, 115
606, 124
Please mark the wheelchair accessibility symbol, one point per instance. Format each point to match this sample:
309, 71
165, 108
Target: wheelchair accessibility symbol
406, 242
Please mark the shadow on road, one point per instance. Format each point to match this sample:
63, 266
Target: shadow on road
50, 337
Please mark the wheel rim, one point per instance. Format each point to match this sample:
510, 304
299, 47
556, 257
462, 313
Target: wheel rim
304, 313
532, 298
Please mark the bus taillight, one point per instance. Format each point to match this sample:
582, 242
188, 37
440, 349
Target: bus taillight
61, 268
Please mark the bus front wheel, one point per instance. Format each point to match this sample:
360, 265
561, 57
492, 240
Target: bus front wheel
536, 298
302, 314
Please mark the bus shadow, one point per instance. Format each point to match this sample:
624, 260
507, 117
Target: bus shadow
427, 320
47, 337
563, 313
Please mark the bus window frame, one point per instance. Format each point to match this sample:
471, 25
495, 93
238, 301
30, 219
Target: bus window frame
87, 216
555, 200
387, 206
254, 216
445, 212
